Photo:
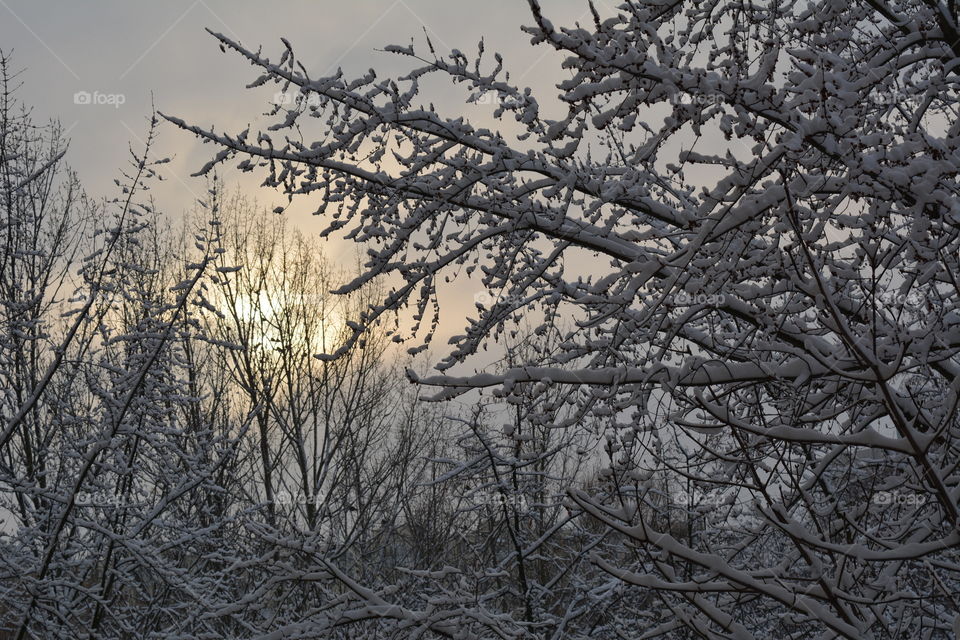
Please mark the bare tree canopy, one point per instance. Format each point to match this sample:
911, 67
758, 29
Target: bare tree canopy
701, 315
742, 224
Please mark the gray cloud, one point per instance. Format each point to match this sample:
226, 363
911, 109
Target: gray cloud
124, 54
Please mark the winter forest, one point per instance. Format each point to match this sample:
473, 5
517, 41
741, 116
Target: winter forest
704, 385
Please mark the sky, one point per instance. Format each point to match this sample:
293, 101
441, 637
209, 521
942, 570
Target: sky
97, 66
100, 66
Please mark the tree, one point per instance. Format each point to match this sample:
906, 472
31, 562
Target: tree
748, 214
42, 214
333, 451
96, 453
174, 462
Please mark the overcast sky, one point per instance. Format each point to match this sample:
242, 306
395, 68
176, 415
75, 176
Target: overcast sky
121, 53
124, 54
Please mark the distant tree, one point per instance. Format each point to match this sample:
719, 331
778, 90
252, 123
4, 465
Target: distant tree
334, 449
43, 214
96, 454
174, 461
749, 215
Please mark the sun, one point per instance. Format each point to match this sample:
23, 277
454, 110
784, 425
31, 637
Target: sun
278, 320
